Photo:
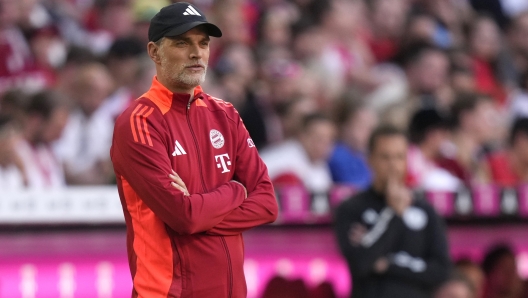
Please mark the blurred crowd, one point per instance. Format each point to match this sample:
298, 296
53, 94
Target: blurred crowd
311, 80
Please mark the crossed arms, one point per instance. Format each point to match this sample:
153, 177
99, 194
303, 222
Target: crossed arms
230, 209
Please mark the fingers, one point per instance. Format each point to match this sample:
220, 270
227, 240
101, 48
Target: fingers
180, 188
381, 265
245, 189
176, 178
356, 233
178, 183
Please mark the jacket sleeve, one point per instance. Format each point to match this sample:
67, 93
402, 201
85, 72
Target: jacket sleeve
377, 242
260, 207
140, 157
432, 270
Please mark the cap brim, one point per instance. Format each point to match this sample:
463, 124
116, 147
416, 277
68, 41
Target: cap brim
211, 29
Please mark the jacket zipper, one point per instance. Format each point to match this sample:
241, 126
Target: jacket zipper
229, 267
196, 146
224, 243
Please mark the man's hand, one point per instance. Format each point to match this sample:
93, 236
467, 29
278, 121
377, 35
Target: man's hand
178, 183
381, 265
245, 189
356, 233
399, 197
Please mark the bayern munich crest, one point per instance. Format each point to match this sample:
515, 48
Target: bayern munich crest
217, 139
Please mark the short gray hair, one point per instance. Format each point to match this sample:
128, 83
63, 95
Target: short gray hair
159, 41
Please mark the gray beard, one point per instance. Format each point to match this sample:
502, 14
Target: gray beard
187, 80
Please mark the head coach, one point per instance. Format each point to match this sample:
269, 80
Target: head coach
189, 176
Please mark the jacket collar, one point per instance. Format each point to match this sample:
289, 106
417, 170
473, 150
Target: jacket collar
166, 99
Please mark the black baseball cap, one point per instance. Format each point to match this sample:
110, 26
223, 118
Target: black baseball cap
177, 19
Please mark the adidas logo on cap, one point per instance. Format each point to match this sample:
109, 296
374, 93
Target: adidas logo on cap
191, 11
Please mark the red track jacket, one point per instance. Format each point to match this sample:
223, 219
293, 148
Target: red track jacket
188, 246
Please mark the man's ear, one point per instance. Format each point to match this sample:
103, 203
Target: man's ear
153, 52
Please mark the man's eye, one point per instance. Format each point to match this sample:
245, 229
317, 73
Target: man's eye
180, 43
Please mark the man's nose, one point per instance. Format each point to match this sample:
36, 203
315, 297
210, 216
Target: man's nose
196, 52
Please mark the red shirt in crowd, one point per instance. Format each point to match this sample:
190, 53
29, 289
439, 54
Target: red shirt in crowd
501, 170
486, 81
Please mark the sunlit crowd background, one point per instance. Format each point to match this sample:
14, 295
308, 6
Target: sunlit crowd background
311, 79
454, 74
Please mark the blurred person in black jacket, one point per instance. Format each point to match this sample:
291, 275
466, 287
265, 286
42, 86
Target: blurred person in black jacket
393, 240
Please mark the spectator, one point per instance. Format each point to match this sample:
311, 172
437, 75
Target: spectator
282, 78
463, 80
462, 76
236, 69
388, 24
348, 162
307, 49
84, 147
502, 279
519, 102
428, 133
304, 157
107, 21
17, 65
13, 105
275, 29
45, 119
420, 28
518, 42
346, 57
292, 113
457, 286
12, 172
393, 241
427, 70
67, 73
474, 123
485, 41
509, 168
473, 272
449, 19
144, 11
123, 62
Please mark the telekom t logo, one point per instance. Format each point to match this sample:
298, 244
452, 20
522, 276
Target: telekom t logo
222, 162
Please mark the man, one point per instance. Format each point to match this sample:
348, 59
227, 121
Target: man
427, 70
428, 132
189, 176
303, 159
509, 167
394, 243
83, 147
348, 162
12, 173
517, 60
45, 117
475, 125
